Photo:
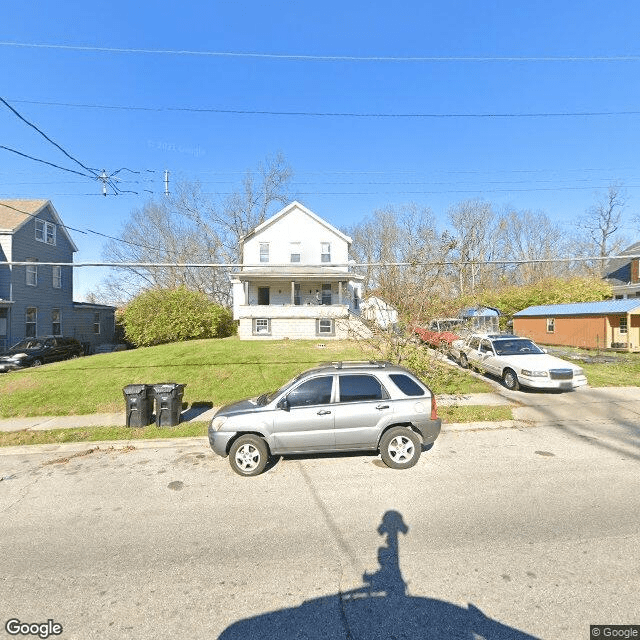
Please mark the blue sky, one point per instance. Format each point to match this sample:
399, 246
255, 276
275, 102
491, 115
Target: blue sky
345, 167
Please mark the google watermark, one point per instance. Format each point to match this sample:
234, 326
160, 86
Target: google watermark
625, 631
40, 629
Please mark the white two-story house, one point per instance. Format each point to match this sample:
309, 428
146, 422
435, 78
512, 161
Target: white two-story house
295, 280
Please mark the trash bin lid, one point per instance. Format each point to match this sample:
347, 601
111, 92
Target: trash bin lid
168, 387
135, 389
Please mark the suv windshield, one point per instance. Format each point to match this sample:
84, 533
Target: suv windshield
266, 398
515, 347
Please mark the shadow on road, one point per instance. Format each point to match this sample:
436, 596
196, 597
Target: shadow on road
380, 609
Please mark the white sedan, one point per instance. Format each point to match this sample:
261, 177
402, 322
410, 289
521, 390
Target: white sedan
519, 361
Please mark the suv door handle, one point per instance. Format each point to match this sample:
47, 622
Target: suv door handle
382, 406
324, 412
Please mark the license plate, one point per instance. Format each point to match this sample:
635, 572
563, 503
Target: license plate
565, 385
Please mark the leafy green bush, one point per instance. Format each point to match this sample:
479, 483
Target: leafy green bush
158, 316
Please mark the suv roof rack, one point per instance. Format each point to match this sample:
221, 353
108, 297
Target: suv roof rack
342, 364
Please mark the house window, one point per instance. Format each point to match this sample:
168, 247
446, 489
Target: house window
96, 322
264, 252
57, 277
325, 327
56, 322
325, 252
31, 322
295, 252
261, 327
296, 294
623, 324
551, 325
45, 232
32, 274
326, 294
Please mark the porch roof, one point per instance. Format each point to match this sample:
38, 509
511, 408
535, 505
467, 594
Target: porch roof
296, 275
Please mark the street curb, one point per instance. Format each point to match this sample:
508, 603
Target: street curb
192, 441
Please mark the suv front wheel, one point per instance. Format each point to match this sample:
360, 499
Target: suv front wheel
400, 448
248, 455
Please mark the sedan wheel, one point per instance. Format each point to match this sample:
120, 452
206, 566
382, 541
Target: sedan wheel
248, 455
464, 363
510, 379
400, 448
36, 363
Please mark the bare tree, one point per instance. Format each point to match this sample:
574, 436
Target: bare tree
526, 235
400, 234
191, 227
475, 241
603, 221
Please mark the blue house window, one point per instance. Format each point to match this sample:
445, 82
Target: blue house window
45, 232
32, 274
31, 322
57, 277
56, 322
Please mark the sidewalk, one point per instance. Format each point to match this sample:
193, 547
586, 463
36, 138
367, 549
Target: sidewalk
199, 414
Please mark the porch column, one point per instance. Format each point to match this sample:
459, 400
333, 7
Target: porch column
293, 293
628, 331
340, 292
245, 286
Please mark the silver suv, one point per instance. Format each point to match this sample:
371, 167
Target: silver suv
338, 406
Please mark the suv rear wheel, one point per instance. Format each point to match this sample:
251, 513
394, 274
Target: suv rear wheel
248, 455
400, 448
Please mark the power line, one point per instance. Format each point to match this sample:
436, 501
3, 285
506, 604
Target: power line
230, 265
46, 137
338, 114
51, 164
322, 58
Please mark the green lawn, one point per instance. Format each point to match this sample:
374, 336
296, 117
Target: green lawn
623, 373
215, 372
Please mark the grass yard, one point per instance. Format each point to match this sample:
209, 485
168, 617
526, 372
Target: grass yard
215, 372
623, 373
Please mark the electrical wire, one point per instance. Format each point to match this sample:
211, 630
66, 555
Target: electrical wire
339, 114
51, 164
323, 58
46, 137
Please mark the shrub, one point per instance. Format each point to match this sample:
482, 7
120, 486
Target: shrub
158, 316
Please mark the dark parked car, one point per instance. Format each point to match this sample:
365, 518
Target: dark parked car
339, 406
32, 352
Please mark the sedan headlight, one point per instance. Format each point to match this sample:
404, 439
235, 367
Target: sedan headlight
535, 374
18, 356
578, 372
217, 423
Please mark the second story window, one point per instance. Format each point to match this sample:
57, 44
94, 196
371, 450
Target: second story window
57, 277
295, 252
32, 274
264, 252
45, 232
325, 252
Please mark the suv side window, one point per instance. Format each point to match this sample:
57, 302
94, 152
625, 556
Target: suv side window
311, 392
408, 386
357, 388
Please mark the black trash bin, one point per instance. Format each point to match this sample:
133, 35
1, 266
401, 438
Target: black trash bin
168, 403
139, 399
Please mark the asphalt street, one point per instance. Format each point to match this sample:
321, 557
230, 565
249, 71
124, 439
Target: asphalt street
514, 533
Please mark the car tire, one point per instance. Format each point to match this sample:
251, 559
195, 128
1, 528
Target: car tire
248, 455
510, 379
37, 362
400, 448
464, 363
73, 356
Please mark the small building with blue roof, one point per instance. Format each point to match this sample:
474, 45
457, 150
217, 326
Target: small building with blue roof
607, 324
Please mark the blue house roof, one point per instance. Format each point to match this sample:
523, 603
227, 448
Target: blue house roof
582, 308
